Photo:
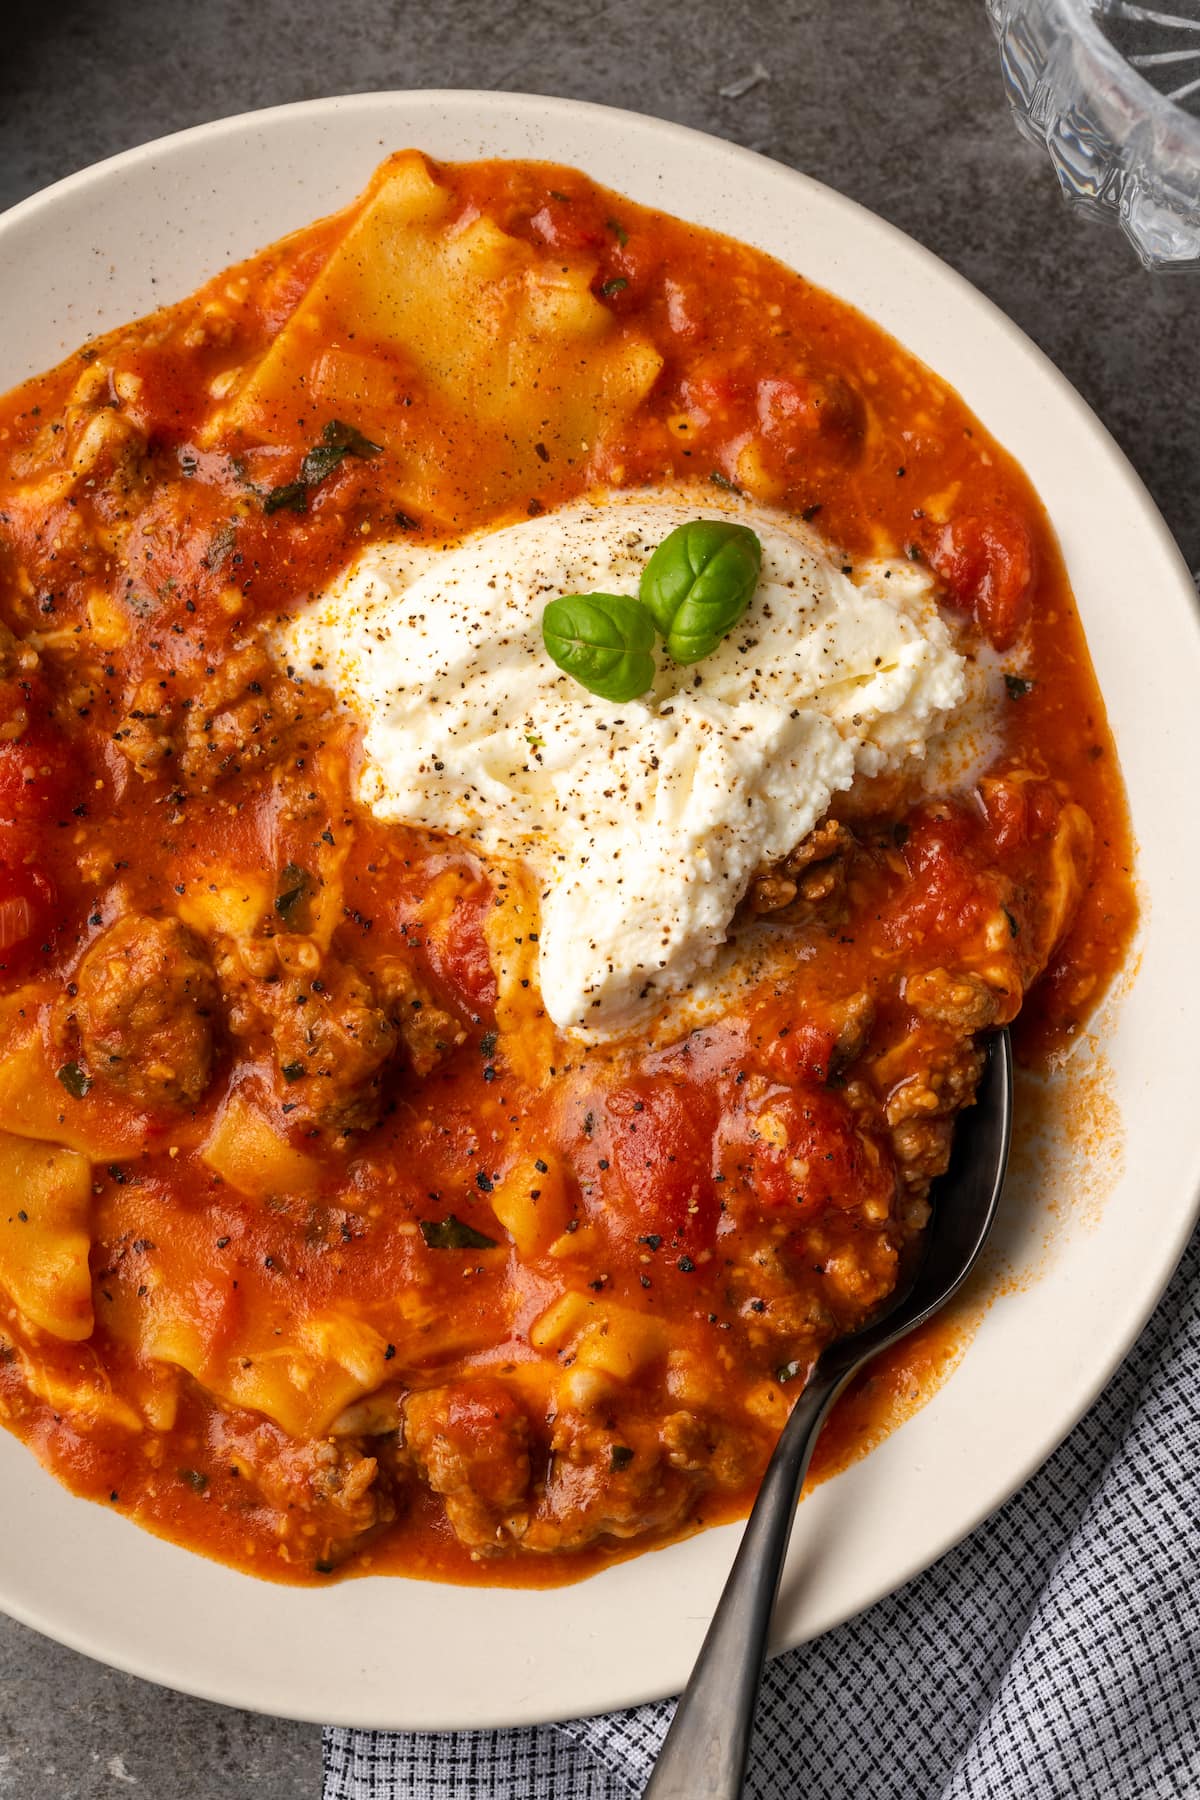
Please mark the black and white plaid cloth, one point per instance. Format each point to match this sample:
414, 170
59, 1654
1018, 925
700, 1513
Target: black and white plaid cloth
1055, 1653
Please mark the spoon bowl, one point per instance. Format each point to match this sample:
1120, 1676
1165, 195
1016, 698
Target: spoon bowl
704, 1754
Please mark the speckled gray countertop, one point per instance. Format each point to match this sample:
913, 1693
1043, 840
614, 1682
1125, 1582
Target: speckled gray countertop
895, 102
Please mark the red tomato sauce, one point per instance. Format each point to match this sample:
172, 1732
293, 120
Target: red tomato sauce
381, 1272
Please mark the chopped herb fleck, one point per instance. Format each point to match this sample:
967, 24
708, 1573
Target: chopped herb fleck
620, 1457
196, 1479
222, 542
291, 497
454, 1234
74, 1080
292, 1071
615, 284
338, 440
787, 1372
295, 886
1017, 686
723, 482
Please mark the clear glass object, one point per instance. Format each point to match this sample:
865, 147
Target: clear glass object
1112, 90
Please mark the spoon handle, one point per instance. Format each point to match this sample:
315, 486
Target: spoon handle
704, 1754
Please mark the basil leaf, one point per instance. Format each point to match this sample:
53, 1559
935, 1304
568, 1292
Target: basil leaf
349, 439
338, 440
699, 582
74, 1080
454, 1234
292, 497
604, 641
319, 462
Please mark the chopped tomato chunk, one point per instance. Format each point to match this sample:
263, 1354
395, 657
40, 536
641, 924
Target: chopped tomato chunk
1007, 806
715, 388
799, 410
946, 890
988, 564
1019, 811
458, 952
662, 1150
35, 767
800, 1051
801, 1150
26, 897
568, 224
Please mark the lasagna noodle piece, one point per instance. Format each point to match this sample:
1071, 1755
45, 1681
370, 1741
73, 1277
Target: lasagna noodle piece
530, 369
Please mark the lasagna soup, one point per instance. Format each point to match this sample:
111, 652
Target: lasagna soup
534, 747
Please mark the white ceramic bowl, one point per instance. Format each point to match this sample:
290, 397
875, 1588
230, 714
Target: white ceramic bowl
1084, 1270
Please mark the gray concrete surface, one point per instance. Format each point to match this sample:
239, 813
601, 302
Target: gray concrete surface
895, 102
71, 1729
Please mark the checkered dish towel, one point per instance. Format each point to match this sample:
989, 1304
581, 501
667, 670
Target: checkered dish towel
1055, 1653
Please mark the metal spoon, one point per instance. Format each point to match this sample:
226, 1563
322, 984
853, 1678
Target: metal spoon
704, 1755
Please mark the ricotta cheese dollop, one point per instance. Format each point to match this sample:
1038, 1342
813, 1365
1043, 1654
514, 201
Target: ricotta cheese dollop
644, 821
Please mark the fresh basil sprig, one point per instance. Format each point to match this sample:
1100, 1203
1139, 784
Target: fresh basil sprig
604, 641
699, 582
694, 589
